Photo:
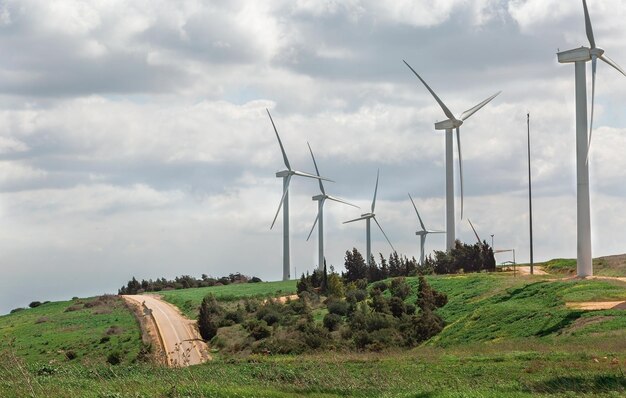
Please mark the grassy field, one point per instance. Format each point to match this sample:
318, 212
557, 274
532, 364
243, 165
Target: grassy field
188, 300
505, 337
602, 266
83, 330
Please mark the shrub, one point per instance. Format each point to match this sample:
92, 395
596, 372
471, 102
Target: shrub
361, 339
355, 296
14, 310
399, 288
236, 316
381, 286
271, 317
70, 355
255, 279
111, 330
114, 358
209, 317
338, 307
332, 321
397, 306
377, 321
74, 307
34, 304
258, 329
379, 303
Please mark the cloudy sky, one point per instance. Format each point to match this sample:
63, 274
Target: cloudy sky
134, 138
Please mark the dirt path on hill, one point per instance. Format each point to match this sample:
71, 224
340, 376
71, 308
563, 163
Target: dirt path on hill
283, 299
525, 270
179, 335
598, 305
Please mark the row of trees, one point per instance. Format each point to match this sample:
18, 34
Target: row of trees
462, 258
183, 282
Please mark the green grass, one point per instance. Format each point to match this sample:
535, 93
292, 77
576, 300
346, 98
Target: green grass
491, 371
496, 307
188, 300
602, 266
506, 337
46, 333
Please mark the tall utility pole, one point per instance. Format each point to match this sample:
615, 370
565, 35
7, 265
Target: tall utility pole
530, 196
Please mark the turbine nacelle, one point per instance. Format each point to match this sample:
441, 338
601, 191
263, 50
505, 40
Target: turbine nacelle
581, 54
448, 124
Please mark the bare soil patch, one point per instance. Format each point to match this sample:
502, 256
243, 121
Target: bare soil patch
149, 334
598, 305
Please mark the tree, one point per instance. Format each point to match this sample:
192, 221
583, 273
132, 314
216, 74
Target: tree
395, 266
355, 266
208, 318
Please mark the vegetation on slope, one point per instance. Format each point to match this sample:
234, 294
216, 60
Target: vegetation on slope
585, 357
89, 331
188, 300
602, 266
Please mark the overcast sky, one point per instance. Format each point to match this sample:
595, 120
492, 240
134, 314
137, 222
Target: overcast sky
134, 139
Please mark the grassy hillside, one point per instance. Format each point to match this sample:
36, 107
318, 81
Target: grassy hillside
506, 337
496, 307
188, 300
602, 266
83, 330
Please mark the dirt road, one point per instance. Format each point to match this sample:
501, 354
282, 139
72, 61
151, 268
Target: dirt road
525, 270
178, 334
598, 305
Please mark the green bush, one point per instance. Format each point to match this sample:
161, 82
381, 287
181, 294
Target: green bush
114, 358
258, 329
332, 321
34, 304
338, 307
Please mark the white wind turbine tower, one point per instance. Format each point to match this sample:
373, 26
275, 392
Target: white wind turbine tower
321, 199
580, 56
284, 201
448, 125
422, 234
367, 217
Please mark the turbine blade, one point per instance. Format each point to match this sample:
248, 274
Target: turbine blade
309, 175
588, 28
282, 149
441, 104
375, 190
594, 61
381, 230
313, 227
458, 142
316, 170
336, 199
609, 61
473, 229
418, 214
356, 219
474, 109
281, 201
430, 231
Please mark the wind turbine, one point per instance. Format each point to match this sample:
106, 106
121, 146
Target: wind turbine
580, 56
367, 217
321, 199
480, 242
452, 123
422, 234
284, 201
